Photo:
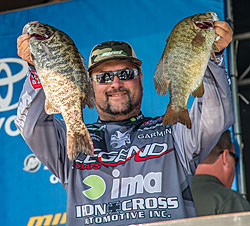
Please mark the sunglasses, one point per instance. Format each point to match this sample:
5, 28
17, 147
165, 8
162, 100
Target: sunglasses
123, 74
235, 157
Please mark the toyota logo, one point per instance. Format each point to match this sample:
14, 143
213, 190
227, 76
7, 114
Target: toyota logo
5, 102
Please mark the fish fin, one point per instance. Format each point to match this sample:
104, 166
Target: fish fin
89, 99
215, 47
199, 91
214, 50
83, 61
160, 81
172, 116
49, 108
198, 40
79, 143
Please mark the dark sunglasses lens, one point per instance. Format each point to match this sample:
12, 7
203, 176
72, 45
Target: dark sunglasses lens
236, 158
126, 74
104, 77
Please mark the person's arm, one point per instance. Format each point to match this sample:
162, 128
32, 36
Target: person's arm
210, 115
44, 134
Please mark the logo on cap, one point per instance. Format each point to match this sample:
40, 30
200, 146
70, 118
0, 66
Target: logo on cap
109, 53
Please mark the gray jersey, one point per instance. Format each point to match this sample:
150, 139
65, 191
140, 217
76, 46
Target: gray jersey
141, 171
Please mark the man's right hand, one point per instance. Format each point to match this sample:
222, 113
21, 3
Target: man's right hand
23, 49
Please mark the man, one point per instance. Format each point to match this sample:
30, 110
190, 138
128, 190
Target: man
211, 186
141, 171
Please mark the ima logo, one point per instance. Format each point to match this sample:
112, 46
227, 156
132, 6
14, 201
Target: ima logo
97, 187
8, 79
123, 187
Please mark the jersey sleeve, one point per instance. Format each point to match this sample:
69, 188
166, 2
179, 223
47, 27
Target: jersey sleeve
210, 115
43, 133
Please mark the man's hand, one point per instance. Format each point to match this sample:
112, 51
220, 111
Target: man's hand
23, 49
225, 32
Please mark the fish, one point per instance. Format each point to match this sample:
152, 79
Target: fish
182, 65
65, 81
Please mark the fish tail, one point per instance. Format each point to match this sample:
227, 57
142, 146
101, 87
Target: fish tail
172, 116
79, 143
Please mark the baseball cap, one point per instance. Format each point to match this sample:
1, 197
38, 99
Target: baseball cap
112, 50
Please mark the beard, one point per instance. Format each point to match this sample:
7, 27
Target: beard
129, 106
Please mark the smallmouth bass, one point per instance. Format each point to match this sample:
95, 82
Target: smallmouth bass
183, 64
65, 82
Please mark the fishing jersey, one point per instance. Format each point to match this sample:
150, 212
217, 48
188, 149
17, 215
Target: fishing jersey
141, 170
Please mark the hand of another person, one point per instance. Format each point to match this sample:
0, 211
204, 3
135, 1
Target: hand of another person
23, 49
225, 32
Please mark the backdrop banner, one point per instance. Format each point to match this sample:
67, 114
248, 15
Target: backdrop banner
30, 194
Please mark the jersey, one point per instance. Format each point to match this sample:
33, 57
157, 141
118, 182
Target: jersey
141, 170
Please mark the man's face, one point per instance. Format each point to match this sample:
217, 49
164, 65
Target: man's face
119, 99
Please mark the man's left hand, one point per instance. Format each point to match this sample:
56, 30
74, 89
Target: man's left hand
225, 32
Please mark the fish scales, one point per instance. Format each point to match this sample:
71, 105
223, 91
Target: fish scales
183, 64
64, 78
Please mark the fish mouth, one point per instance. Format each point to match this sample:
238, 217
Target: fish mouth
38, 37
204, 24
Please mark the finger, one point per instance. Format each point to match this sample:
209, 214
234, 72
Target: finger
225, 35
22, 38
23, 50
223, 25
220, 32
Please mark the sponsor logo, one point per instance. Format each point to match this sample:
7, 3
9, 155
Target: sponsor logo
109, 53
8, 81
156, 133
115, 158
31, 163
95, 137
150, 151
153, 122
22, 112
97, 187
120, 139
49, 219
34, 80
137, 208
9, 125
80, 165
126, 209
130, 186
95, 128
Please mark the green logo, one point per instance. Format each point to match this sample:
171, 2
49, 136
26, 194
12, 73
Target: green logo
97, 187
